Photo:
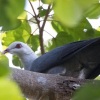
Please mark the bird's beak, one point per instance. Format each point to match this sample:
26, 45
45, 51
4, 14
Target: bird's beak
5, 51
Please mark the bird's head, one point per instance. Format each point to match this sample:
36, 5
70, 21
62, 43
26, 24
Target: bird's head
18, 48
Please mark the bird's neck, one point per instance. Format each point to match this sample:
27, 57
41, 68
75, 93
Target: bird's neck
28, 59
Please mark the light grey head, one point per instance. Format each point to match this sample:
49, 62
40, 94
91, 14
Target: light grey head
23, 51
18, 48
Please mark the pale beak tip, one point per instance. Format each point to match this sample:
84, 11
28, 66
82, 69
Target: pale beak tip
5, 51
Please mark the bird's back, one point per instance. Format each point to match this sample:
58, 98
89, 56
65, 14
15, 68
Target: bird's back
70, 58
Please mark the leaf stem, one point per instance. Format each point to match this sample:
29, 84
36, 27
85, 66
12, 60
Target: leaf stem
49, 33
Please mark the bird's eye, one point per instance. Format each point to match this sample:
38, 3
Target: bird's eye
18, 46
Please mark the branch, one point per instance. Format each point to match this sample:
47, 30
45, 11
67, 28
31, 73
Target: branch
40, 86
38, 22
41, 30
46, 16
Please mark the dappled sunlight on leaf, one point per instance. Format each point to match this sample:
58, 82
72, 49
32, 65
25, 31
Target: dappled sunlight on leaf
97, 78
22, 33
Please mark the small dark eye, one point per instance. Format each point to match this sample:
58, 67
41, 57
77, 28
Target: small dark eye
18, 46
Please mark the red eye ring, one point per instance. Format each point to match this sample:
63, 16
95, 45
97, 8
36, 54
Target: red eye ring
18, 46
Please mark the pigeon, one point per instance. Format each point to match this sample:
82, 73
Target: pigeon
80, 59
23, 51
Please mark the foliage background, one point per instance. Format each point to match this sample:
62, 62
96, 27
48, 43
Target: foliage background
69, 20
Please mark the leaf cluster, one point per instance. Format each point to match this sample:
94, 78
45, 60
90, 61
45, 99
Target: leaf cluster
69, 20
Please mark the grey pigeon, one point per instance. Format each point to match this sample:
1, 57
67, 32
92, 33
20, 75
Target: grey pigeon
23, 51
79, 59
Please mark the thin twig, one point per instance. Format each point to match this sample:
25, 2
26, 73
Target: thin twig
46, 16
30, 13
50, 20
49, 33
28, 20
38, 22
41, 31
34, 30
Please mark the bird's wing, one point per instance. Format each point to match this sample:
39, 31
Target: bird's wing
61, 54
94, 73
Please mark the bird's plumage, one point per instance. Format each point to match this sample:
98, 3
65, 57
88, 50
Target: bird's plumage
78, 59
23, 51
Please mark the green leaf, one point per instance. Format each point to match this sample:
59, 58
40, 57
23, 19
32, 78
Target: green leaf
33, 42
68, 12
9, 26
9, 11
94, 11
86, 4
22, 33
10, 90
47, 1
97, 33
62, 38
83, 31
23, 15
57, 26
66, 35
90, 91
4, 65
42, 13
97, 78
16, 61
